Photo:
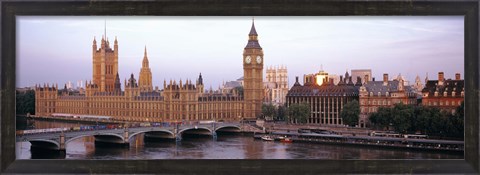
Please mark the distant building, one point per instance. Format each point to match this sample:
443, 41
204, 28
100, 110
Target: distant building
69, 85
364, 74
325, 101
276, 85
418, 86
444, 94
386, 93
228, 86
24, 89
79, 84
401, 77
334, 77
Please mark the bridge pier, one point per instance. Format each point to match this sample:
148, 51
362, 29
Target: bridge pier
178, 137
62, 142
126, 140
214, 135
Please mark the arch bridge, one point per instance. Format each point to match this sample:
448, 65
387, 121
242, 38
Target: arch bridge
122, 137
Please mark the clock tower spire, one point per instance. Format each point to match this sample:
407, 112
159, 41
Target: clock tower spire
253, 75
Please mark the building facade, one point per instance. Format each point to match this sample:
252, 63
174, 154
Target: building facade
139, 102
325, 101
445, 94
386, 93
276, 85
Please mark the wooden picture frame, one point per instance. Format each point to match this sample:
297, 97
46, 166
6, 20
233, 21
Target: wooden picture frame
10, 9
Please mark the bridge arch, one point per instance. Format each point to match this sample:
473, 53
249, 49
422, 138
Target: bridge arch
195, 128
94, 134
45, 143
155, 130
228, 126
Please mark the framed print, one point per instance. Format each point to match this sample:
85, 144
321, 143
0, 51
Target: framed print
131, 87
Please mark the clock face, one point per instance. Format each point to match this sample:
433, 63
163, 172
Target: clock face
259, 59
248, 59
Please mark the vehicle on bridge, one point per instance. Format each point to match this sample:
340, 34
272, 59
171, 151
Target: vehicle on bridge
77, 116
68, 129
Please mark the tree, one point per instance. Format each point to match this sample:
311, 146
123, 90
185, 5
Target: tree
421, 120
269, 111
350, 113
402, 117
455, 123
382, 118
25, 102
281, 113
298, 113
427, 120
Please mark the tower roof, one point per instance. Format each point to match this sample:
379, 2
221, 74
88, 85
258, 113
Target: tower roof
145, 58
200, 79
252, 30
253, 41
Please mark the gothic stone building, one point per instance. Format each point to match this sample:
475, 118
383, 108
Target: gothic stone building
325, 101
444, 94
139, 102
276, 85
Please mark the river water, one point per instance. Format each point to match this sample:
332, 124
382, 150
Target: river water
226, 146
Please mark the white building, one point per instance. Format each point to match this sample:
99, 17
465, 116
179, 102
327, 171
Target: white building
276, 85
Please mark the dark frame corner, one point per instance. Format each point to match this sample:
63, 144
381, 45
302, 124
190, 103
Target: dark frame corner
467, 8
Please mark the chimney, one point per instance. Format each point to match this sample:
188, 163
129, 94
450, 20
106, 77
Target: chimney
385, 78
457, 76
296, 79
373, 78
366, 79
440, 76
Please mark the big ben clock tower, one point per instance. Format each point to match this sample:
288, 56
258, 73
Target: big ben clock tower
253, 75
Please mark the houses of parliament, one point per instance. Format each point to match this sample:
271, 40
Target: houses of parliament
177, 101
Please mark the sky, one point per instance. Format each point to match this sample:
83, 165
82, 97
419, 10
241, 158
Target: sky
56, 49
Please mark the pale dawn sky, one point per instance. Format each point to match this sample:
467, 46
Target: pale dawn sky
59, 49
